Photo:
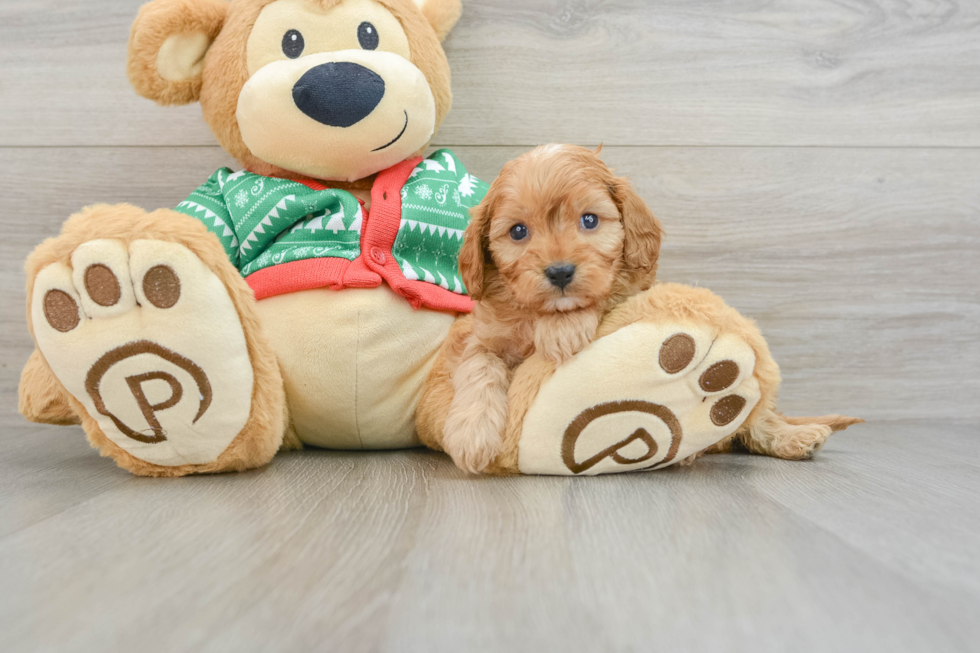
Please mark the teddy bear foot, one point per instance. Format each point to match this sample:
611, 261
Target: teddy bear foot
644, 397
147, 339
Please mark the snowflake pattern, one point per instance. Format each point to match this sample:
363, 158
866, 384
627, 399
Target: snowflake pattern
241, 199
423, 191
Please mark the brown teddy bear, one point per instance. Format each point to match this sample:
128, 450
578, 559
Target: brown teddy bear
306, 298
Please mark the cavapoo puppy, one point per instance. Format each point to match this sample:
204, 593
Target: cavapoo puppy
556, 243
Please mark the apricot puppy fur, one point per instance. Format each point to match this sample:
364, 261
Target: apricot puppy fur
557, 242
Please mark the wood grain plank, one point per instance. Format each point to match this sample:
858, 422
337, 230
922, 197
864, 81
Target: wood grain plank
627, 72
401, 552
35, 455
859, 265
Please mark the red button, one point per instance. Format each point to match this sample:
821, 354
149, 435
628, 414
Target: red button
378, 255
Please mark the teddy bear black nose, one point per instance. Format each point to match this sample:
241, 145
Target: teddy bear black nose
560, 275
338, 94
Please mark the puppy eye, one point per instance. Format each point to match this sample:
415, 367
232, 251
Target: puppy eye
518, 232
367, 36
590, 221
293, 44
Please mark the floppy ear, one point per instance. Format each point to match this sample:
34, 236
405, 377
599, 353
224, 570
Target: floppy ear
167, 45
473, 254
641, 246
441, 14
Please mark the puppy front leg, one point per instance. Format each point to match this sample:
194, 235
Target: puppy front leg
559, 336
473, 434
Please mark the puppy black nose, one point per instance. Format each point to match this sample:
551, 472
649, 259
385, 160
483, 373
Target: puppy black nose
560, 275
338, 94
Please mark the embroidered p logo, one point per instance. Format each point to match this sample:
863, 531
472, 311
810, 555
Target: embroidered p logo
637, 447
154, 431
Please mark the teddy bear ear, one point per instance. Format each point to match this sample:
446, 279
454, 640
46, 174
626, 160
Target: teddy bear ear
441, 14
167, 45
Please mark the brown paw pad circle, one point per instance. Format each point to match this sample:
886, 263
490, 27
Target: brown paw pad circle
102, 285
677, 353
60, 310
726, 410
719, 376
161, 286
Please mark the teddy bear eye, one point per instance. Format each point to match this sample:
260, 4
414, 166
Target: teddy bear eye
367, 36
518, 232
590, 221
293, 44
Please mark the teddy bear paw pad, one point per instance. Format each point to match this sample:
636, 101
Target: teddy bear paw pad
644, 397
147, 338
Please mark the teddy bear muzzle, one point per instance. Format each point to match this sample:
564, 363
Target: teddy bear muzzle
339, 115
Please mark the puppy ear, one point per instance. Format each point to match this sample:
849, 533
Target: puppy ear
441, 14
167, 44
473, 254
641, 245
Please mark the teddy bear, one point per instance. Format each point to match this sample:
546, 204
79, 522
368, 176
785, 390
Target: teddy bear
312, 297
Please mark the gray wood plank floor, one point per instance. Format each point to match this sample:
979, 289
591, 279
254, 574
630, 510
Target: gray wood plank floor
871, 546
816, 162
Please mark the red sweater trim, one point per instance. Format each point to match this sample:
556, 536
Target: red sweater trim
333, 273
375, 263
376, 244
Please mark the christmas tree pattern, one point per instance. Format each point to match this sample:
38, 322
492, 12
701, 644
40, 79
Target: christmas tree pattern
436, 203
264, 221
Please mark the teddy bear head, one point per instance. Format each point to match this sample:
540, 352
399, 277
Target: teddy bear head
325, 89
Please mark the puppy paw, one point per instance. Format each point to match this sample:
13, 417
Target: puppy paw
559, 336
471, 439
800, 442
